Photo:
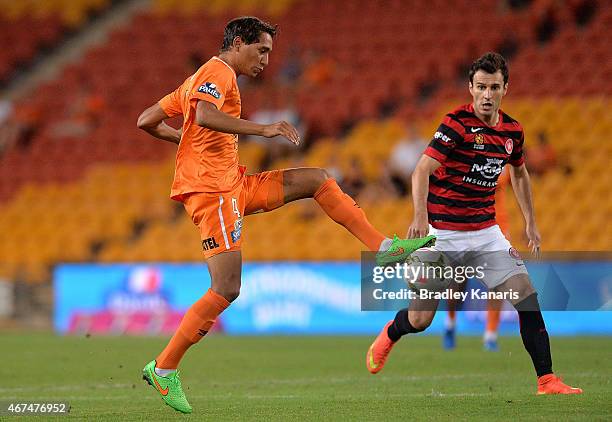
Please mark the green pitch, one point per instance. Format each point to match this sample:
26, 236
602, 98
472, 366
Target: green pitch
301, 378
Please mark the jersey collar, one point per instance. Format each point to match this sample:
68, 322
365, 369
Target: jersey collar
228, 66
500, 116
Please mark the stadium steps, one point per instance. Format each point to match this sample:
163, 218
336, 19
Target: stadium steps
30, 29
85, 22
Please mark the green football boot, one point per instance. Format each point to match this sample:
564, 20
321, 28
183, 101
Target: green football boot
169, 387
401, 249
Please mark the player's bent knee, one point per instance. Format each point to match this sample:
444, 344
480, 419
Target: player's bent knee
519, 286
303, 182
228, 287
319, 176
525, 292
420, 321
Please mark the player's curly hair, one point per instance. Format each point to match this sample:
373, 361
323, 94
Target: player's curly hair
490, 62
249, 28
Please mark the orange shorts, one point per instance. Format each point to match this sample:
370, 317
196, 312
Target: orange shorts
219, 215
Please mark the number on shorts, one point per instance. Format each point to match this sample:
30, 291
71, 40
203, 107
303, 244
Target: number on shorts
235, 207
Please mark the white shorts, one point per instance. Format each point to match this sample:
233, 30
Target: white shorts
487, 248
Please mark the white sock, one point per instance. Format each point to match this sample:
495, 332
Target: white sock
385, 244
449, 324
164, 372
490, 336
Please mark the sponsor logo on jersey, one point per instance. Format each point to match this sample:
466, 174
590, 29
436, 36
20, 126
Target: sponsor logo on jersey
210, 89
476, 129
489, 170
479, 182
509, 145
485, 172
441, 136
210, 243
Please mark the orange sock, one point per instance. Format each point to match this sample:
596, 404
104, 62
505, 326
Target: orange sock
493, 314
195, 324
451, 316
343, 210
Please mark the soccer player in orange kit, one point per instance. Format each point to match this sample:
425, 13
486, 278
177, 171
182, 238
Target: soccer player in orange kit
217, 193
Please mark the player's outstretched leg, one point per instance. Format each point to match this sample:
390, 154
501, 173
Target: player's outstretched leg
378, 352
161, 373
400, 249
315, 183
534, 335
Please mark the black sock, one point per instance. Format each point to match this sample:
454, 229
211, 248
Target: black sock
401, 326
534, 335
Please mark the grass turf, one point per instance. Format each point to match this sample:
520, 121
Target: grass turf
307, 378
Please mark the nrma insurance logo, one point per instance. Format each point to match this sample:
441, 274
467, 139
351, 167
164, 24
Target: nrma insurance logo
142, 291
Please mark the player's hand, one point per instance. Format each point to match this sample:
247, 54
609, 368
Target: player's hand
535, 240
419, 227
283, 129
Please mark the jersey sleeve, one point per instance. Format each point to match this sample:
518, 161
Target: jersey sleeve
212, 87
446, 138
517, 157
171, 103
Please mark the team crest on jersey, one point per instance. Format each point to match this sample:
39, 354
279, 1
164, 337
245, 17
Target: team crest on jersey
479, 142
509, 145
210, 89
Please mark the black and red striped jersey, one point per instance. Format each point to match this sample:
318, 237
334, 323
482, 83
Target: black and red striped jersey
473, 155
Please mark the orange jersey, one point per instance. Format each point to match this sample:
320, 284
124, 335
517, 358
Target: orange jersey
206, 160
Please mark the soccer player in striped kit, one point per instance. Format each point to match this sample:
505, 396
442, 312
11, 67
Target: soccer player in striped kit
453, 189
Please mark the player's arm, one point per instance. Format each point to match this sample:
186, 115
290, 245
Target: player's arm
208, 116
521, 184
420, 189
152, 121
